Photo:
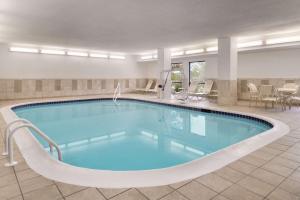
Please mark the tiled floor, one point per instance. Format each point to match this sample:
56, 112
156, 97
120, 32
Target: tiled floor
272, 173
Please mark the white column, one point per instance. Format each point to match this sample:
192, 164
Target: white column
164, 64
227, 71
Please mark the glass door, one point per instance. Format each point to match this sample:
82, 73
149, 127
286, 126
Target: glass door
196, 72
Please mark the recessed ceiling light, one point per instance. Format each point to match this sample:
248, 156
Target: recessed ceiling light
117, 57
77, 53
209, 49
283, 40
250, 44
23, 50
194, 51
147, 57
53, 52
98, 55
177, 53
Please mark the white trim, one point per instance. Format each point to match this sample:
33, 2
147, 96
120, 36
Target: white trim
41, 162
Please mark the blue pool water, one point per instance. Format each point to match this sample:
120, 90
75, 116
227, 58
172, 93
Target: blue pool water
135, 135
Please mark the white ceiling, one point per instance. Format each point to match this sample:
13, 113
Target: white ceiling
137, 25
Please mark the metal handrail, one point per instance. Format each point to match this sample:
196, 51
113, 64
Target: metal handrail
6, 133
38, 131
117, 92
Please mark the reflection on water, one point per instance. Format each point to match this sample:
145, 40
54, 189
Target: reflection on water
135, 135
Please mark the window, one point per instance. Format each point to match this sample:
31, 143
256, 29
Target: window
177, 77
197, 70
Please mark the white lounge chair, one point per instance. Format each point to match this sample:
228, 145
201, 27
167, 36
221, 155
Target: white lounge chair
254, 93
148, 86
154, 89
199, 92
267, 94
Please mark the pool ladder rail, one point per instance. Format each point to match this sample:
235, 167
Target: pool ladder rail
117, 93
9, 133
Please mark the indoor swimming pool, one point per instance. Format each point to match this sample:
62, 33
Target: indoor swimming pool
136, 135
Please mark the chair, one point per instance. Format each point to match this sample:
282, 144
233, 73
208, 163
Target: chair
196, 91
254, 93
154, 89
267, 95
148, 86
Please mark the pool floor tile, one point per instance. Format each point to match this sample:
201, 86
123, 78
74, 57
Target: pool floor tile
67, 189
34, 183
9, 191
236, 192
87, 194
278, 169
174, 196
109, 193
242, 167
230, 174
179, 184
267, 176
46, 193
131, 194
257, 186
214, 182
280, 194
154, 193
196, 191
291, 186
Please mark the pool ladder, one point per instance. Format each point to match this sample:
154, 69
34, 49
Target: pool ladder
9, 133
117, 93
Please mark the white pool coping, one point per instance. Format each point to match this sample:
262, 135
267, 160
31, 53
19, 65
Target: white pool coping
41, 162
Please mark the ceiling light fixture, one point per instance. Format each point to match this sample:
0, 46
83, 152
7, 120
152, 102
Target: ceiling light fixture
194, 51
250, 44
210, 49
98, 55
177, 53
146, 57
76, 53
283, 40
53, 52
117, 57
23, 50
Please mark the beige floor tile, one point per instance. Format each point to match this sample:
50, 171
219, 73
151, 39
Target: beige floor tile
295, 175
257, 186
8, 179
9, 191
174, 196
26, 174
263, 155
131, 194
67, 189
220, 197
253, 160
236, 192
34, 183
17, 198
280, 194
196, 191
154, 193
294, 149
108, 193
268, 177
291, 156
291, 186
285, 162
87, 194
230, 174
278, 169
214, 182
242, 167
179, 184
46, 193
271, 150
21, 166
277, 146
5, 170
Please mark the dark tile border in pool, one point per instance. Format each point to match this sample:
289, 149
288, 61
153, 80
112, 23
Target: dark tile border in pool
153, 102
